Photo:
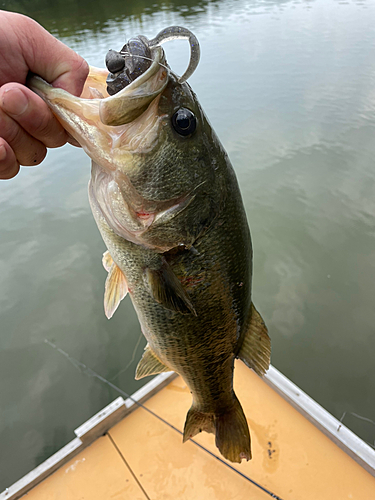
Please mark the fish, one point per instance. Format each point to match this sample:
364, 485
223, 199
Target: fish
167, 203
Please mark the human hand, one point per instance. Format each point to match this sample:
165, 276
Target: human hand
27, 125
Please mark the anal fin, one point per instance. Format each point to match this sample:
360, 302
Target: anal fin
150, 364
255, 350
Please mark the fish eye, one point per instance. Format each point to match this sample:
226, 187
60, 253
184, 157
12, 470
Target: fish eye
184, 122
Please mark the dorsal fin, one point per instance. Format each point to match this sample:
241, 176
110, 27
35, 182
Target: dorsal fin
150, 364
167, 290
255, 350
116, 287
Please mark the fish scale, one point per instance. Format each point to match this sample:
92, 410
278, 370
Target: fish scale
167, 204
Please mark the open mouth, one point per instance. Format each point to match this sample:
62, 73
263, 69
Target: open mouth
138, 73
117, 117
110, 127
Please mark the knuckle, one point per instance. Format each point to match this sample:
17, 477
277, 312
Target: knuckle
39, 156
10, 130
57, 141
34, 155
10, 172
82, 68
49, 131
43, 124
9, 166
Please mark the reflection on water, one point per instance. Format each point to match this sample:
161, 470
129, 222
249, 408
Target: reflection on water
74, 18
289, 88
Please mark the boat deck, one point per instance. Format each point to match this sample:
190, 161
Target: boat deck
142, 457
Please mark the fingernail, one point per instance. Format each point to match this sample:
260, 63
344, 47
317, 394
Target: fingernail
14, 102
3, 152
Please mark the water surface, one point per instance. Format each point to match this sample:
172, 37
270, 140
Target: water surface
289, 88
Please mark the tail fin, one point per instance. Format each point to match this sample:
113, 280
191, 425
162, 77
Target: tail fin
196, 422
232, 434
230, 428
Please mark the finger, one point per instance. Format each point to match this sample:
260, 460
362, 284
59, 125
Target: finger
28, 151
9, 167
73, 141
51, 59
32, 114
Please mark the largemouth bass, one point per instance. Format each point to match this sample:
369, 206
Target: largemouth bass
167, 204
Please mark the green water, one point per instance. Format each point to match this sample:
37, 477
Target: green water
289, 88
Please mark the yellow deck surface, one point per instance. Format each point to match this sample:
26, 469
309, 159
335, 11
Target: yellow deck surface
291, 458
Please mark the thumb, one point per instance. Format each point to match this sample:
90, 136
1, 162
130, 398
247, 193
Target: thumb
51, 59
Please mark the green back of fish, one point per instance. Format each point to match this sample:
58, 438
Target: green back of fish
212, 256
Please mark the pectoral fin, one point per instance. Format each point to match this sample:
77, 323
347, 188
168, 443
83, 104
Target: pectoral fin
167, 289
107, 261
116, 287
255, 351
149, 365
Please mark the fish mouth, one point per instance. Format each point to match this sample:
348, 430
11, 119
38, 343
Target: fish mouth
111, 128
121, 103
114, 129
95, 102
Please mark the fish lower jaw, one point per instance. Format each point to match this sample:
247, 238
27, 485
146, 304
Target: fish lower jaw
135, 232
133, 217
